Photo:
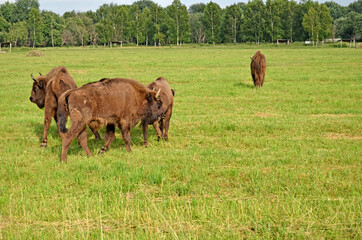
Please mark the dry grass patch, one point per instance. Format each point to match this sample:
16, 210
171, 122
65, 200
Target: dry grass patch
264, 115
344, 136
35, 53
329, 115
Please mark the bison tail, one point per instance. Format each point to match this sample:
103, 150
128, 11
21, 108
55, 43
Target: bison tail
63, 111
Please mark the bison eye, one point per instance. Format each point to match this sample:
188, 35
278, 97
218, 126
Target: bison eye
159, 104
34, 90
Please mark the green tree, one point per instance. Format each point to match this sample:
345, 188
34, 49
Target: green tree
143, 4
137, 24
23, 9
288, 18
197, 8
179, 22
350, 26
53, 26
123, 24
274, 22
197, 28
336, 10
356, 6
325, 20
302, 8
317, 22
231, 23
35, 26
4, 27
146, 18
159, 26
104, 28
7, 10
212, 22
254, 21
18, 33
311, 24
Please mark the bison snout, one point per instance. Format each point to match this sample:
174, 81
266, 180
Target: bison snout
31, 99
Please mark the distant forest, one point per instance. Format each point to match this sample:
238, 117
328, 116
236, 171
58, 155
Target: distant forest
147, 23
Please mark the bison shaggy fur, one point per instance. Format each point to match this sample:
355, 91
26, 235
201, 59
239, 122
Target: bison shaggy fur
258, 68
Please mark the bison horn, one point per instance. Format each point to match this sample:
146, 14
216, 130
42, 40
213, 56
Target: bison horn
158, 93
40, 74
33, 77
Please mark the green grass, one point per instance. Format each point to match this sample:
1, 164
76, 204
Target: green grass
282, 161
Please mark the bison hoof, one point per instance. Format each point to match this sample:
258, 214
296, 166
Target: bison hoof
103, 150
43, 144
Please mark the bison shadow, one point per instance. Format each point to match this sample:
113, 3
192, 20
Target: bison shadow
245, 85
38, 129
55, 143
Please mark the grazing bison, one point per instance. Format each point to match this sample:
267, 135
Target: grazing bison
258, 68
110, 102
46, 91
166, 96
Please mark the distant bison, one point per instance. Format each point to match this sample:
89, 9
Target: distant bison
258, 68
166, 96
46, 91
110, 102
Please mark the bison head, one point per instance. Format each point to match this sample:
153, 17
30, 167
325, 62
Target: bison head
38, 91
154, 107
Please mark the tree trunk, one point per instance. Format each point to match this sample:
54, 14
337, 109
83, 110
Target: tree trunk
34, 39
52, 33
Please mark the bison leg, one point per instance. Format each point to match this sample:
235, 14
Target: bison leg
167, 123
74, 130
49, 113
145, 130
253, 75
110, 136
95, 132
82, 139
126, 136
158, 130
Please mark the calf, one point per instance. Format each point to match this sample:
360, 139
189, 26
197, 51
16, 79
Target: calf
258, 68
46, 92
110, 102
163, 123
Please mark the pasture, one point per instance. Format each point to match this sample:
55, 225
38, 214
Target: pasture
281, 161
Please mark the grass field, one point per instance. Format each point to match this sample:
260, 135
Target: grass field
282, 161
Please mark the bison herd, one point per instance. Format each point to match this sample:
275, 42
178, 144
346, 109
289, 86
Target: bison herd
109, 102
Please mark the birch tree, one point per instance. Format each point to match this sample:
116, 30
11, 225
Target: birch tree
212, 21
35, 26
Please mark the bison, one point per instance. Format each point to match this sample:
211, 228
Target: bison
258, 68
46, 91
162, 124
110, 102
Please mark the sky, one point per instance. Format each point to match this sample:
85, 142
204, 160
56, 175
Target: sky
61, 6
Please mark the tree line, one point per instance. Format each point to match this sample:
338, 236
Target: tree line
147, 23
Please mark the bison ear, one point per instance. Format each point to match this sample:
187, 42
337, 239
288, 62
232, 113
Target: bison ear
41, 84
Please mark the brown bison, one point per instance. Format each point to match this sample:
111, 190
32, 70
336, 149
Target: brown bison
166, 96
46, 91
110, 102
258, 68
